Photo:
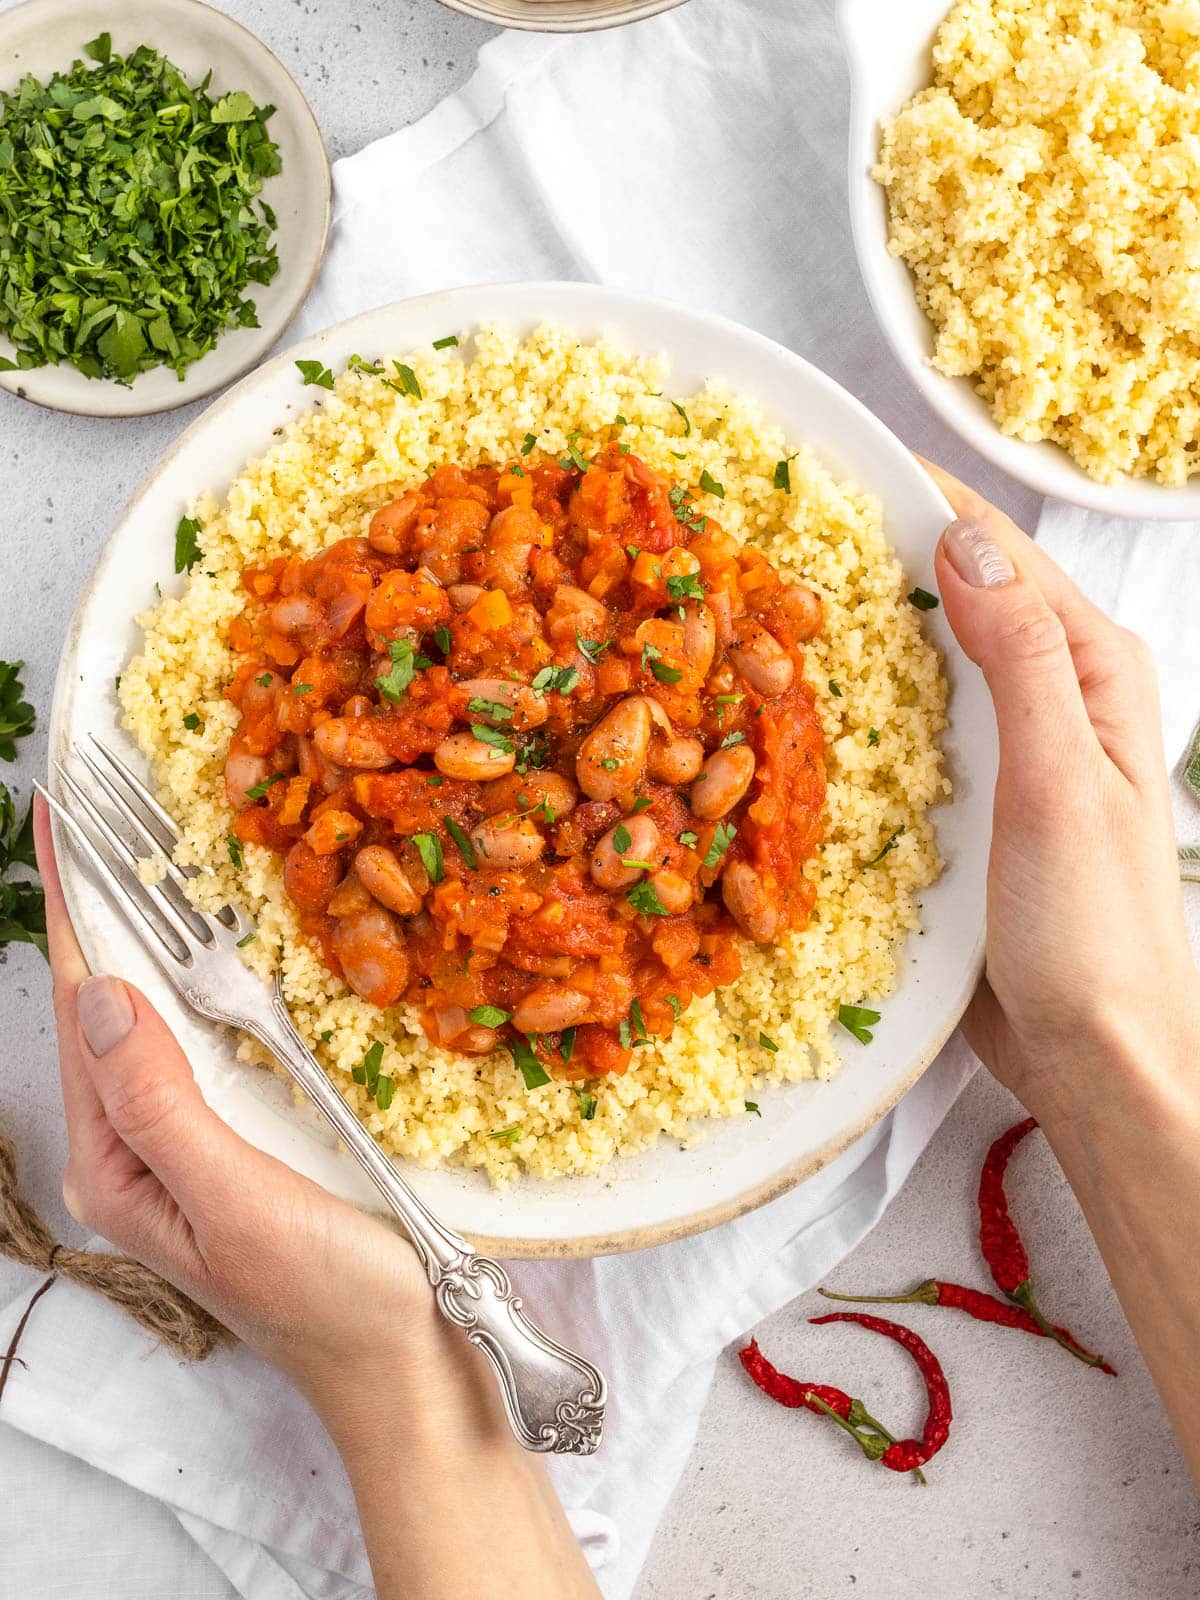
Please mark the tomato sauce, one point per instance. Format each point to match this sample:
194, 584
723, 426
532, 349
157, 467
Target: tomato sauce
538, 753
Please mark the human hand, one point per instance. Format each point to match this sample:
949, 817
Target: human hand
1087, 956
311, 1284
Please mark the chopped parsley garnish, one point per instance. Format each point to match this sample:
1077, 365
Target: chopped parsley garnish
639, 1022
723, 837
923, 600
835, 689
326, 1034
368, 1072
371, 368
768, 1044
495, 709
187, 546
446, 343
489, 1016
266, 680
643, 897
610, 763
408, 381
260, 789
675, 1003
587, 1105
429, 847
573, 458
441, 638
687, 421
873, 736
858, 1020
685, 512
710, 485
302, 688
191, 722
637, 866
385, 1088
593, 649
752, 1107
566, 1044
507, 1135
622, 838
562, 679
405, 661
652, 658
783, 475
237, 852
435, 783
688, 839
316, 373
528, 445
466, 848
890, 845
731, 739
535, 753
685, 586
633, 551
247, 939
642, 803
493, 736
526, 1061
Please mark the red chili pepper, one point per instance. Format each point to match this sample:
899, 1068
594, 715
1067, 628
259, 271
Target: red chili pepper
822, 1398
905, 1455
1002, 1247
976, 1303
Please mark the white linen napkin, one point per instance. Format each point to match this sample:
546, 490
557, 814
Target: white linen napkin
699, 156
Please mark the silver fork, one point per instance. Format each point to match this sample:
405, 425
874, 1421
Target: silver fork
554, 1398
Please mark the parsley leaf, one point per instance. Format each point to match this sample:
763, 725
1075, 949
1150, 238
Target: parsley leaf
17, 716
873, 736
563, 679
710, 485
566, 1044
687, 421
642, 803
260, 789
22, 904
395, 681
191, 722
783, 474
688, 839
495, 709
621, 839
489, 1016
593, 649
236, 851
652, 658
890, 845
466, 848
752, 1107
643, 897
731, 739
858, 1020
408, 381
685, 586
529, 443
187, 548
493, 736
525, 1060
316, 373
429, 847
446, 343
587, 1105
923, 600
723, 837
768, 1044
508, 1135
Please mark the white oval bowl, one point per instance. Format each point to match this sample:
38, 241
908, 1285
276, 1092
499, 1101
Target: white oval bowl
561, 16
888, 47
666, 1192
44, 37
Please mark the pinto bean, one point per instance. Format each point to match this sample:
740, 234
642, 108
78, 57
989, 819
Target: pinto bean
349, 897
507, 843
606, 864
370, 947
384, 877
748, 903
322, 774
574, 611
464, 756
243, 771
294, 614
673, 890
760, 658
351, 742
804, 608
546, 1010
462, 596
520, 793
675, 760
722, 781
699, 638
529, 710
309, 878
392, 524
612, 758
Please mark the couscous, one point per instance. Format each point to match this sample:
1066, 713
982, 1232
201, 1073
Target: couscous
1045, 193
876, 686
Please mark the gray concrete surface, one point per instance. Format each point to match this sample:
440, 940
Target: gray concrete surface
1060, 1484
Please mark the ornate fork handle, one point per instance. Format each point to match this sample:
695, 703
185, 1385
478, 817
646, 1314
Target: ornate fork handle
554, 1398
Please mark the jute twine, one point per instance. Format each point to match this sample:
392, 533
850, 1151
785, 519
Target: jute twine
166, 1313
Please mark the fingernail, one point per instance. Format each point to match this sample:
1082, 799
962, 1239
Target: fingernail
105, 1013
976, 556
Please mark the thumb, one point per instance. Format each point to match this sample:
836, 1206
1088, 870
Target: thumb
1006, 625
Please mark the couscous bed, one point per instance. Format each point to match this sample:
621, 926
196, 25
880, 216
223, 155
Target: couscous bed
880, 697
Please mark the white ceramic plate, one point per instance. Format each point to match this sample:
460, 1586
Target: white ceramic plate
888, 46
666, 1192
44, 37
561, 16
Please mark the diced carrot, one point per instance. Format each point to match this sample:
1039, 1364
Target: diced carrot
281, 650
491, 611
647, 570
331, 831
294, 801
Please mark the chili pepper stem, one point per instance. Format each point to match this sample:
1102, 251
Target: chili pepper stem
925, 1294
860, 1415
872, 1447
1022, 1296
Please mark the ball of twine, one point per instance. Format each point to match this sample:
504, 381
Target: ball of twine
170, 1317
